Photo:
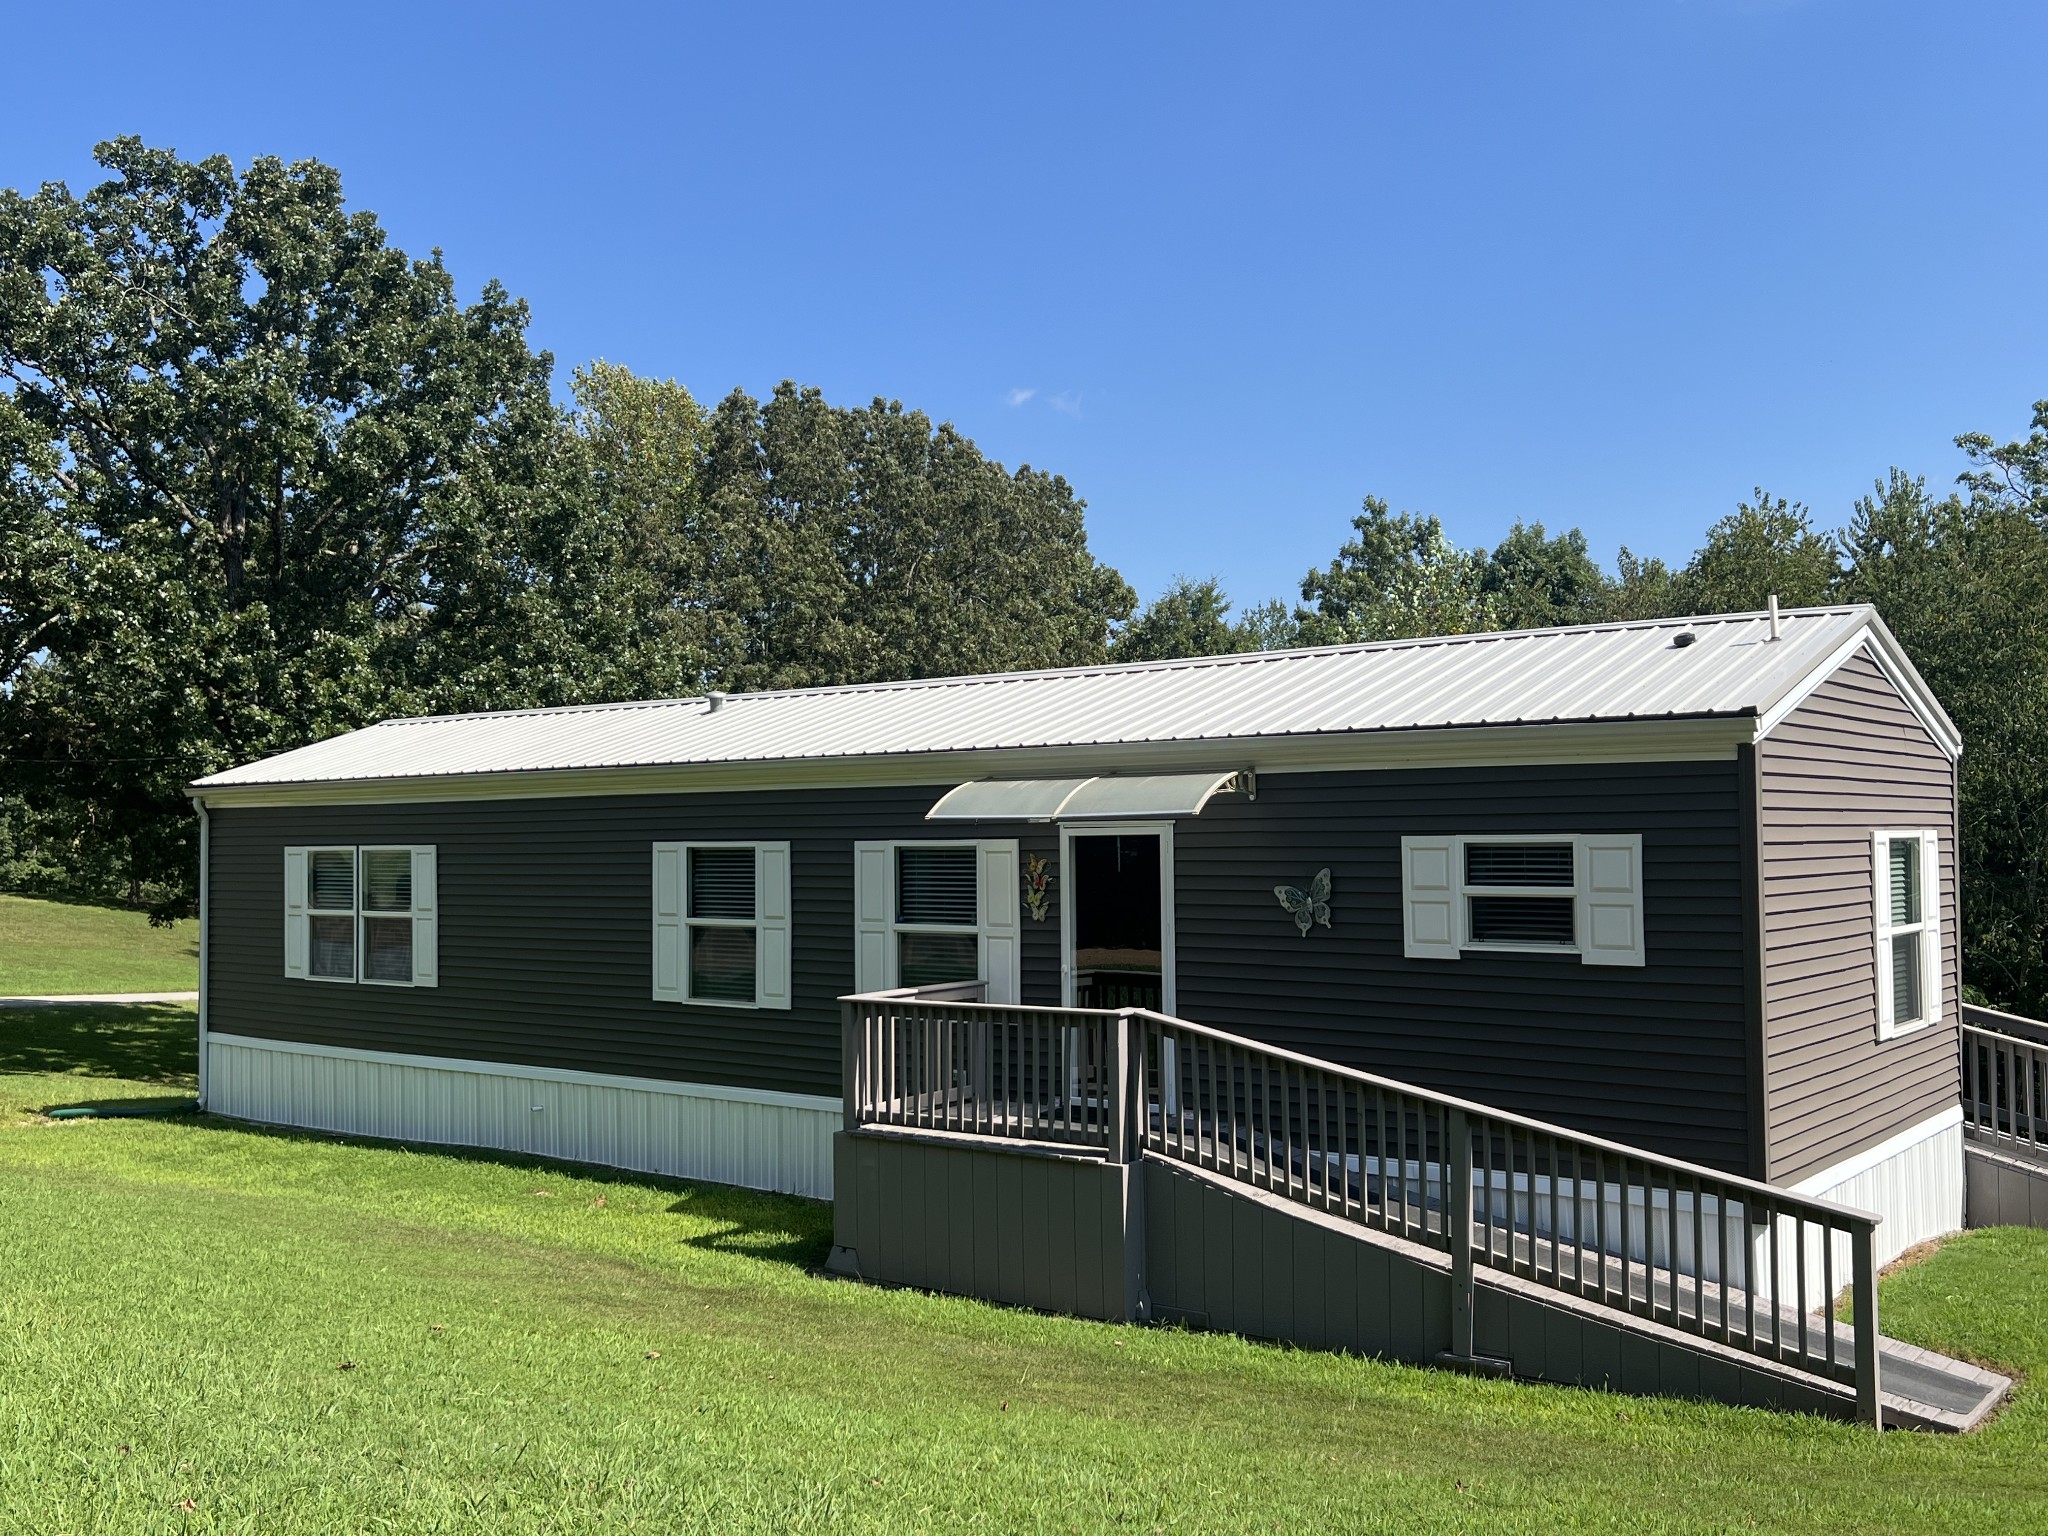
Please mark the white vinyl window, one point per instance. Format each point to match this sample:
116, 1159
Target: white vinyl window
1559, 893
361, 914
934, 912
721, 924
1906, 896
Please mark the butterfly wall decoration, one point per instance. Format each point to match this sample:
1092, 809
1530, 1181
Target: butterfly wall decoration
1309, 907
1037, 886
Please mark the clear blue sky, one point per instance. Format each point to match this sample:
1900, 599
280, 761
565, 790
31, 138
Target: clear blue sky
1227, 268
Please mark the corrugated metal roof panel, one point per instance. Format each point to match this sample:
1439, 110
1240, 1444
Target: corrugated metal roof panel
1592, 673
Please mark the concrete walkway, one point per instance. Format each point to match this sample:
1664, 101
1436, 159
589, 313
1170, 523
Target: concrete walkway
101, 997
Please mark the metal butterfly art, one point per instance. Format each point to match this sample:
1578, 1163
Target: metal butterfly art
1307, 909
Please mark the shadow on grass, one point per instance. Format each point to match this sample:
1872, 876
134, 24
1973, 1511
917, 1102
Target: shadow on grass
145, 1042
751, 1223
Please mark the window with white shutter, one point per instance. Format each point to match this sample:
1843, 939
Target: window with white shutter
361, 914
722, 924
926, 913
1560, 893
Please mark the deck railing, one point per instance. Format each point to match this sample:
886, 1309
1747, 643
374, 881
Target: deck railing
939, 1059
2005, 1081
1729, 1259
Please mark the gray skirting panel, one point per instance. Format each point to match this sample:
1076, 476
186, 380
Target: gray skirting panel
2001, 1191
1152, 1240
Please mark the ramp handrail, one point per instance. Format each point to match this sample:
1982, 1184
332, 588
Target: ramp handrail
1729, 1259
2005, 1081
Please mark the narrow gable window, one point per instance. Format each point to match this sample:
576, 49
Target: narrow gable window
721, 924
1906, 897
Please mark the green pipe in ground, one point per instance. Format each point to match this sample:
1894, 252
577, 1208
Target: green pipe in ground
122, 1111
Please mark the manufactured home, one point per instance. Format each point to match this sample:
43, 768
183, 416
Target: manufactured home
1684, 887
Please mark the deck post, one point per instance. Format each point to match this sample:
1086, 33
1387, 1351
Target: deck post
1455, 1210
1863, 1298
849, 1060
1457, 1218
1126, 1142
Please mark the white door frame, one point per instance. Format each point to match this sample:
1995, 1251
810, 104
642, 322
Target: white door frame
1163, 830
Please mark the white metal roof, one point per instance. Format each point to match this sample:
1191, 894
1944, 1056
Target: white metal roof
1592, 673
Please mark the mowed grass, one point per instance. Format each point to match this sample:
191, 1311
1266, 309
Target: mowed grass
50, 948
206, 1327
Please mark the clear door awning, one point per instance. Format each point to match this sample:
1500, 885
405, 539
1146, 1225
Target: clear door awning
1109, 798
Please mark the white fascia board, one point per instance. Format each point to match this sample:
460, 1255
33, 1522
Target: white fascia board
1883, 648
1614, 741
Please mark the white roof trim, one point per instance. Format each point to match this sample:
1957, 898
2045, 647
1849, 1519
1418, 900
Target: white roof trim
1106, 797
1890, 657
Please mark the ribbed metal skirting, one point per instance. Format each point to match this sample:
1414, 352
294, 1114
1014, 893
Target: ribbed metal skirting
681, 1129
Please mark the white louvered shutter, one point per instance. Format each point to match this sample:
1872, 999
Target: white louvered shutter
874, 896
1001, 934
771, 916
295, 937
1930, 943
426, 921
1429, 898
668, 922
1611, 900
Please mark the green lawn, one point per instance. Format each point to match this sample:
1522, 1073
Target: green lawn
211, 1328
48, 948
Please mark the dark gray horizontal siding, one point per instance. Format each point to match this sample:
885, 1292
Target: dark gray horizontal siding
1851, 759
545, 944
545, 949
1651, 1055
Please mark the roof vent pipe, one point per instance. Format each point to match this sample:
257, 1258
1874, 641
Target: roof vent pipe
716, 698
1774, 615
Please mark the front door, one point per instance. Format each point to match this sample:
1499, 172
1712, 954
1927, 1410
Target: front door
1118, 928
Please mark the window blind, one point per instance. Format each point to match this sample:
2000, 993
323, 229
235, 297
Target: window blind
937, 885
722, 883
1519, 864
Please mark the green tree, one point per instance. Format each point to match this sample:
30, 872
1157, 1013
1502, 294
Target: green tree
849, 545
1759, 549
269, 480
1190, 618
1963, 582
1532, 581
1397, 577
1641, 589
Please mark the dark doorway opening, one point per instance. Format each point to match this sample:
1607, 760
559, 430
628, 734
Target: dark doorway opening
1119, 938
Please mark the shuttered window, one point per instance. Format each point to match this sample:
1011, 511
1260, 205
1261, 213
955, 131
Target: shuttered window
361, 915
930, 913
1573, 894
721, 924
1905, 896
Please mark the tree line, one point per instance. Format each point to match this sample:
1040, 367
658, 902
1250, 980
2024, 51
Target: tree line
269, 479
